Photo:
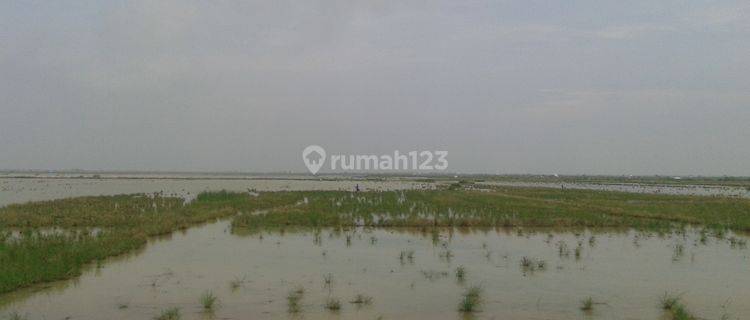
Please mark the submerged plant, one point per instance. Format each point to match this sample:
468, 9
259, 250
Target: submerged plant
169, 314
406, 255
293, 299
362, 299
669, 301
737, 243
460, 273
526, 263
471, 300
587, 304
673, 305
562, 249
531, 265
208, 300
679, 312
446, 255
328, 279
433, 275
679, 251
236, 283
333, 304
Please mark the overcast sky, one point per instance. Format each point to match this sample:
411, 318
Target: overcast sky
597, 87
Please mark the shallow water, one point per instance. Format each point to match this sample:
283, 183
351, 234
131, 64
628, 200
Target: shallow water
626, 271
687, 190
20, 190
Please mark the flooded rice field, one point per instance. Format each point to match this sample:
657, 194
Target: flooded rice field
405, 274
382, 273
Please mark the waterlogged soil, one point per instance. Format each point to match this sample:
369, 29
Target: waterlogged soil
624, 271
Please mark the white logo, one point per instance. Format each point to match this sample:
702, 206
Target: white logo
314, 157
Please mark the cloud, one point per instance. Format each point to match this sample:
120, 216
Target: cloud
186, 85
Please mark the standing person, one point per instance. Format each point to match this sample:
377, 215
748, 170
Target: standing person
356, 188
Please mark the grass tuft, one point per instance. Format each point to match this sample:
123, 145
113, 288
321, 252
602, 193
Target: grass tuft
460, 273
333, 304
471, 300
587, 304
293, 299
669, 301
361, 299
208, 300
169, 314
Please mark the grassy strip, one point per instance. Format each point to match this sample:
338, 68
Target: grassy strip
502, 207
41, 258
41, 252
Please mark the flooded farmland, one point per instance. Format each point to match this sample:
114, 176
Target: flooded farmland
360, 272
251, 273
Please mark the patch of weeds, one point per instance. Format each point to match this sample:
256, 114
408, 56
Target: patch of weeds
471, 300
531, 264
433, 275
460, 273
737, 243
236, 283
446, 255
169, 314
333, 304
406, 255
669, 301
587, 304
679, 251
328, 279
562, 249
208, 300
362, 299
293, 299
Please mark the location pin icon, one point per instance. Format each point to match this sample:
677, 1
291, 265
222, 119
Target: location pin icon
314, 156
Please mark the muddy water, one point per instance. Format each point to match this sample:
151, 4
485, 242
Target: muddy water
626, 271
19, 190
688, 190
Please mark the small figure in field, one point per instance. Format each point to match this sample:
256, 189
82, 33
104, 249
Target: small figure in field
356, 188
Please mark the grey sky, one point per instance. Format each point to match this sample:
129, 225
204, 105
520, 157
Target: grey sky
600, 87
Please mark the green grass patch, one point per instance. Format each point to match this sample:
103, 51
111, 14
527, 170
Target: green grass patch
54, 239
532, 207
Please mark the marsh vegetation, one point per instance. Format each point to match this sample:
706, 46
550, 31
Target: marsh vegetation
416, 235
471, 300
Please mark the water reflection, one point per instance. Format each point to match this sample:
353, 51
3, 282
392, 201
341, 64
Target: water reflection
524, 273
